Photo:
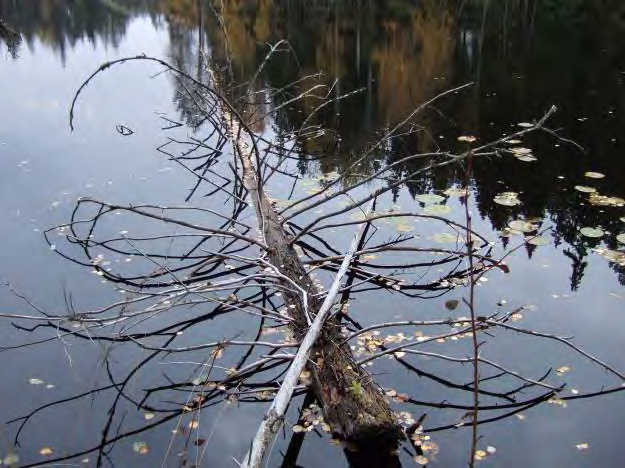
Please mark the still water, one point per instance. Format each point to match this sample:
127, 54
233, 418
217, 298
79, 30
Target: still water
521, 57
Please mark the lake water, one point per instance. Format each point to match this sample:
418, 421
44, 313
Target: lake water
521, 57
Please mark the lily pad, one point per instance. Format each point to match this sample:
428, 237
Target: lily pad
538, 240
585, 189
456, 192
444, 238
613, 256
467, 138
522, 226
603, 200
437, 210
527, 158
621, 238
507, 199
429, 198
594, 175
591, 232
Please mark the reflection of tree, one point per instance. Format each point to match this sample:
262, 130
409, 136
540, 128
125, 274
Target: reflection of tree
400, 54
12, 38
61, 24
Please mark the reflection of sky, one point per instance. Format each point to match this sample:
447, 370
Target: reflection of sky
42, 163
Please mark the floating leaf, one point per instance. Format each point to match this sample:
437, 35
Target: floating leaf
140, 448
451, 304
603, 200
445, 238
45, 451
622, 219
522, 226
514, 142
621, 238
36, 381
613, 256
538, 240
148, 416
562, 370
591, 232
527, 158
521, 150
467, 138
594, 175
507, 199
11, 459
428, 198
437, 210
583, 446
456, 192
525, 125
585, 189
420, 460
404, 228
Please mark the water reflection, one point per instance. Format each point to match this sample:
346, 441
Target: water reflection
522, 56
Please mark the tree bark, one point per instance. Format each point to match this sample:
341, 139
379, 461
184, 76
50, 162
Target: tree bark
354, 407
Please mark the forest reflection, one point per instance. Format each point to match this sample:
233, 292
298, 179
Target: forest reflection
521, 55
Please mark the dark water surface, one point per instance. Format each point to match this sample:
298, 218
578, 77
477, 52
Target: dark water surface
521, 56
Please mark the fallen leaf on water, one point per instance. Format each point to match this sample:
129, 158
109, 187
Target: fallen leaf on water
451, 304
585, 189
148, 416
621, 238
527, 158
594, 175
11, 459
421, 460
521, 150
45, 451
467, 138
562, 370
140, 448
583, 446
525, 125
36, 381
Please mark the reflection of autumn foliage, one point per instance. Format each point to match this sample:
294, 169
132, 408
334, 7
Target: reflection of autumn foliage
413, 60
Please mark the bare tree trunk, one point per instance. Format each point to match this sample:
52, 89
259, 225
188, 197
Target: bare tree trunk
353, 405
